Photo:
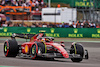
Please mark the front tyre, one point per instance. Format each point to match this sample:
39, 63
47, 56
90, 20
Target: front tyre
86, 54
77, 49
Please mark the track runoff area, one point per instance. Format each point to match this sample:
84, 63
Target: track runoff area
91, 44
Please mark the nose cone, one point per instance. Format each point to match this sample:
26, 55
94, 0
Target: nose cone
61, 50
65, 54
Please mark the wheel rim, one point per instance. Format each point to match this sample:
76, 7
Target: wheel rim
34, 50
5, 48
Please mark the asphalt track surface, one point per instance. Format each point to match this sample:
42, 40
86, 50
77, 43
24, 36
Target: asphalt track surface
92, 45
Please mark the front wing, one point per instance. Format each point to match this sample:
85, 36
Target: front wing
58, 55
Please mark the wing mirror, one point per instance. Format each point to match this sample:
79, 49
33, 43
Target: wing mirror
62, 42
52, 38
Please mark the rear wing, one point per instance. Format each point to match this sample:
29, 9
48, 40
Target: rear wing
25, 36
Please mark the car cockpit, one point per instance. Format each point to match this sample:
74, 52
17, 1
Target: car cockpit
46, 39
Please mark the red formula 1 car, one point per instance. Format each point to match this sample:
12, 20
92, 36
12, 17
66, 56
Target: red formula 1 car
42, 46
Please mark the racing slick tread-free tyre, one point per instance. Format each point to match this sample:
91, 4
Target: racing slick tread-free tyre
34, 52
86, 54
43, 49
11, 48
41, 46
79, 50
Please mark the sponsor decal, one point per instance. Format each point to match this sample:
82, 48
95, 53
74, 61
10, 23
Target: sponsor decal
42, 31
84, 3
53, 34
5, 29
6, 34
26, 49
52, 30
98, 30
60, 46
28, 30
97, 35
75, 34
75, 30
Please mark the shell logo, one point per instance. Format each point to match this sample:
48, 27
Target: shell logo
60, 46
26, 49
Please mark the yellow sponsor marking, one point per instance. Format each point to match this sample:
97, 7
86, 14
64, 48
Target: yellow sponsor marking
26, 49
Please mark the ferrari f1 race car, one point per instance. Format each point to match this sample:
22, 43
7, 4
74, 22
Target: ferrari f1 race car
42, 46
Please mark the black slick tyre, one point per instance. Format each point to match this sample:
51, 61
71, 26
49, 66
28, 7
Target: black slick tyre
41, 46
86, 54
77, 49
11, 48
34, 51
37, 50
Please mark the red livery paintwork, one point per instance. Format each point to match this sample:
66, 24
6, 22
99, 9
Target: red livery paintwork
42, 46
55, 45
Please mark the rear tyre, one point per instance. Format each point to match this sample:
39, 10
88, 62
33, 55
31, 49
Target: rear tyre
34, 51
77, 49
11, 48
